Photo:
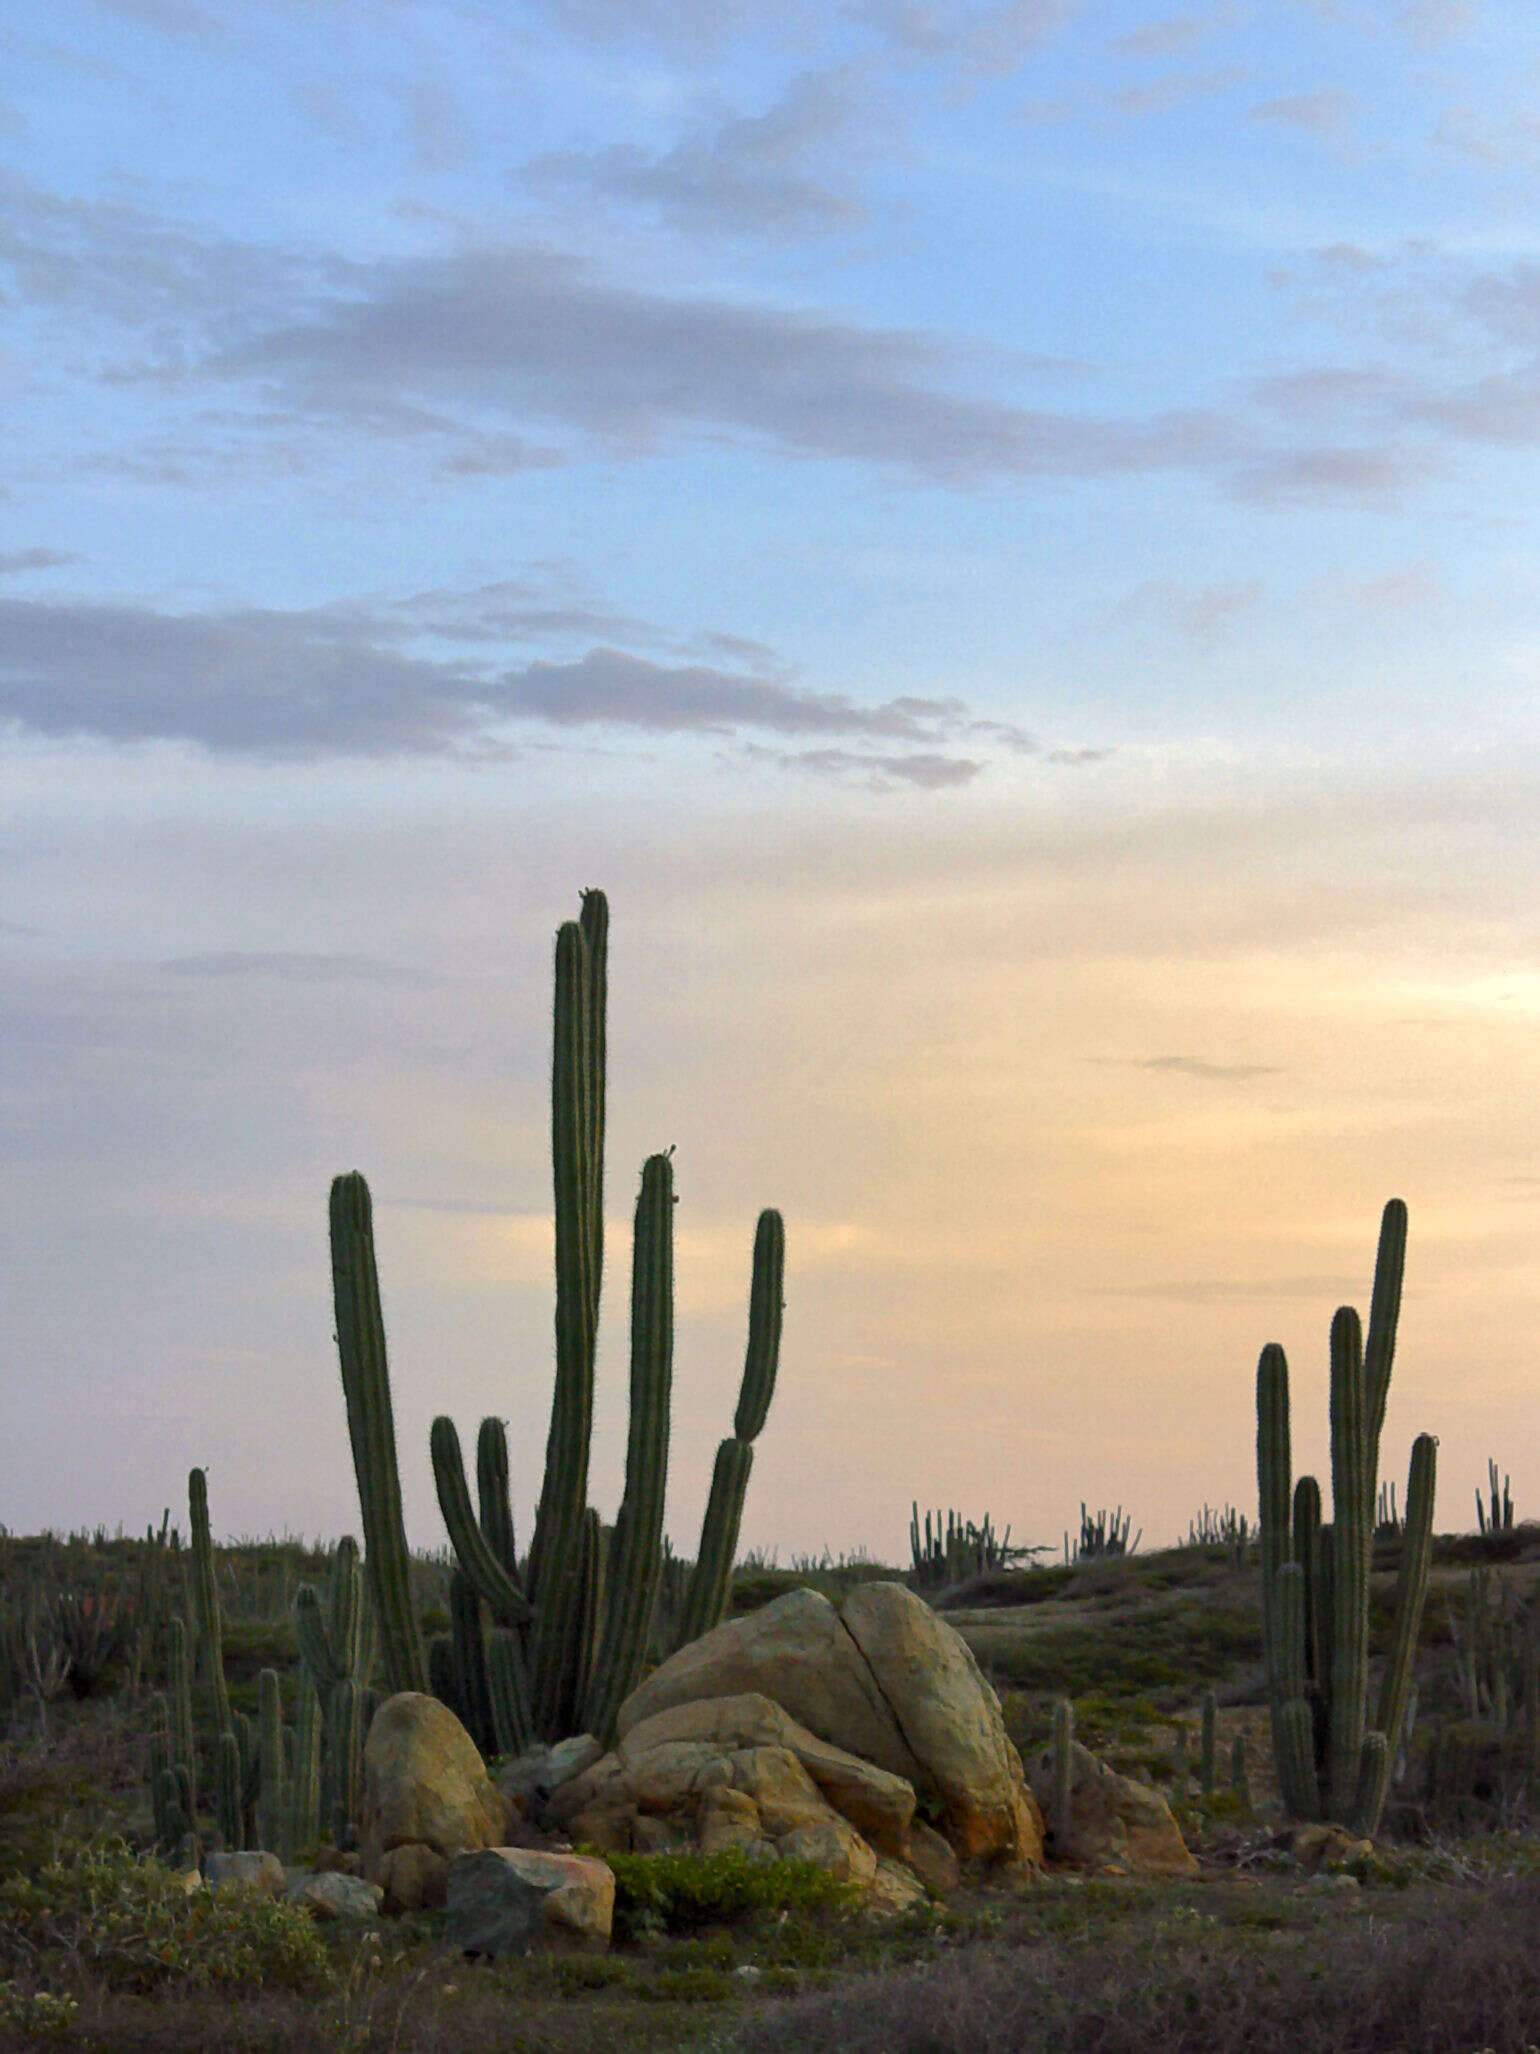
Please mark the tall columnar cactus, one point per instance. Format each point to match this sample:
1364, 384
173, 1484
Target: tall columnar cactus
569, 1635
206, 1598
582, 1652
1315, 1579
711, 1584
184, 1755
271, 1805
371, 1427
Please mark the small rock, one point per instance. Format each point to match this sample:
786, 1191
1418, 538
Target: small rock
329, 1894
244, 1869
506, 1899
412, 1878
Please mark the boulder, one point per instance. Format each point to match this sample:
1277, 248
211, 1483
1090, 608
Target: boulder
534, 1776
411, 1878
329, 1894
244, 1869
884, 1684
1115, 1824
798, 1653
506, 1900
425, 1785
878, 1804
947, 1713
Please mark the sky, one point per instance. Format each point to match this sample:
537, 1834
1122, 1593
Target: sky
1001, 533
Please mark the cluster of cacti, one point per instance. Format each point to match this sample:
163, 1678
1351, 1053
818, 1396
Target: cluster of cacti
1102, 1534
336, 1646
1500, 1517
569, 1635
270, 1781
950, 1550
1225, 1528
1315, 1577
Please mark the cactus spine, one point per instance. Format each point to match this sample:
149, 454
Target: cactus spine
1315, 1579
371, 1427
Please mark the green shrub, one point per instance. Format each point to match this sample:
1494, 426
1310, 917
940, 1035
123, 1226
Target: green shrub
684, 1890
131, 1923
36, 2014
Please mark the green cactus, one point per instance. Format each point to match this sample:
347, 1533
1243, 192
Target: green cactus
271, 1807
711, 1585
206, 1598
1315, 1579
303, 1820
569, 1637
229, 1808
1240, 1782
333, 1649
184, 1753
470, 1659
636, 1556
371, 1427
1208, 1754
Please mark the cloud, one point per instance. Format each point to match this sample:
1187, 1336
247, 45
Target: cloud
328, 682
928, 771
1194, 1066
1162, 94
531, 331
1197, 612
1165, 38
992, 40
292, 966
1326, 112
14, 560
745, 175
607, 685
1371, 478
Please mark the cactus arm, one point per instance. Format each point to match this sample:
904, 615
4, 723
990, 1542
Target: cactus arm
1384, 1317
766, 1307
712, 1582
637, 1555
1352, 1511
1294, 1725
712, 1579
1411, 1595
371, 1427
472, 1549
493, 1502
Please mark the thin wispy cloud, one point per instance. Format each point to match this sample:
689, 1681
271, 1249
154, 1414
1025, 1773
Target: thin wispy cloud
742, 175
1328, 111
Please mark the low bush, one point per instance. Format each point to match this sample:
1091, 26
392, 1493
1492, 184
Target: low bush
684, 1891
131, 1925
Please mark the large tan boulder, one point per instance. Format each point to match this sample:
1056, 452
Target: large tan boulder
946, 1711
425, 1785
1116, 1825
878, 1804
884, 1682
797, 1652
